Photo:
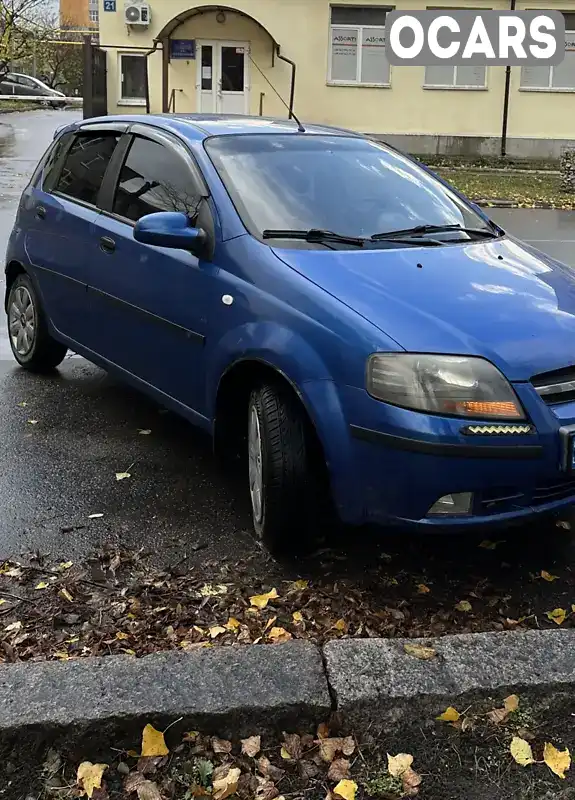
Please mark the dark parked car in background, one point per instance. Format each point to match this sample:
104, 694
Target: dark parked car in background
16, 84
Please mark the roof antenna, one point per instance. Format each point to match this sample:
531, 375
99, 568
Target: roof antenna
300, 127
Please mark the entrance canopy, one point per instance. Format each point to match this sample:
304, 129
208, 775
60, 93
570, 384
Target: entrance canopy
184, 16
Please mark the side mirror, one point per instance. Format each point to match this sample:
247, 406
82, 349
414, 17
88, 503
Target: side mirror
171, 229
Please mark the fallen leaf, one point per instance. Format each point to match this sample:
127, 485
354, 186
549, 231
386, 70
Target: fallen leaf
266, 789
562, 523
548, 577
232, 624
23, 404
423, 589
95, 516
227, 785
338, 769
89, 776
292, 743
411, 781
2, 601
486, 544
498, 715
558, 761
341, 625
330, 746
269, 770
269, 623
397, 765
120, 476
66, 595
285, 754
279, 635
14, 626
15, 572
417, 650
153, 742
147, 790
297, 616
144, 431
346, 789
64, 565
261, 600
511, 703
557, 615
217, 630
221, 745
449, 715
42, 585
251, 746
32, 422
463, 605
521, 751
300, 585
323, 731
121, 636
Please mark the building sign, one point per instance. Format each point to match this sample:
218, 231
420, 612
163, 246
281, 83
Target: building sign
109, 5
182, 48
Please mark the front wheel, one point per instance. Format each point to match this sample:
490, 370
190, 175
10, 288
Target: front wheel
288, 499
32, 345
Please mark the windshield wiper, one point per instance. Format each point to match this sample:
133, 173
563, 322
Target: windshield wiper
322, 237
314, 235
421, 230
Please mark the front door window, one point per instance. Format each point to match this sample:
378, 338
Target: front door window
222, 79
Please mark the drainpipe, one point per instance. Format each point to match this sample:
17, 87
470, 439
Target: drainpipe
292, 87
149, 53
506, 101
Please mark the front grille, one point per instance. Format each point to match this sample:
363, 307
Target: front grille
557, 386
497, 501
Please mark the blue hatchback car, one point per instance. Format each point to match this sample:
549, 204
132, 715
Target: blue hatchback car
364, 338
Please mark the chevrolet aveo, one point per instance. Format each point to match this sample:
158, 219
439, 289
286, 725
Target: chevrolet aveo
355, 330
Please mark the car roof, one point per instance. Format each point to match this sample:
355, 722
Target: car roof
201, 126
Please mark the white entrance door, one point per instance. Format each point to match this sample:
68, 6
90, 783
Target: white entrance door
222, 83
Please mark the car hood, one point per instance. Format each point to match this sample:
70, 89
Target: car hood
501, 299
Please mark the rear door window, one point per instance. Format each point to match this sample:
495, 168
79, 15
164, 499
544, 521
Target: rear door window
86, 165
155, 178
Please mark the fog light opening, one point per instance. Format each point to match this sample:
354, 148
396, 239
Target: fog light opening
454, 504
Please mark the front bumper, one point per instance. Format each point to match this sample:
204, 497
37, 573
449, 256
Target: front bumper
398, 463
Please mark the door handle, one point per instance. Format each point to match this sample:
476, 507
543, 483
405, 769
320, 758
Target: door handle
40, 212
107, 244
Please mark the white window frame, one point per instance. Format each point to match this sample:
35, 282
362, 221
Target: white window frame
456, 87
94, 15
359, 30
128, 101
550, 87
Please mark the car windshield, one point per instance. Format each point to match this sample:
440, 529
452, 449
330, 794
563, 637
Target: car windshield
348, 185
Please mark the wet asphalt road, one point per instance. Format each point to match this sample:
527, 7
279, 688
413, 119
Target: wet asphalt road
56, 473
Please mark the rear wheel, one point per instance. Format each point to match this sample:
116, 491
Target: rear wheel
288, 499
30, 340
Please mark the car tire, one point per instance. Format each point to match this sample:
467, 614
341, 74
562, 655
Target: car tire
32, 345
287, 499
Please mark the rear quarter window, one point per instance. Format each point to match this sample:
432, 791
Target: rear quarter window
44, 172
86, 164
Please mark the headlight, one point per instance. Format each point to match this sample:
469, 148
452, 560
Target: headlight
450, 385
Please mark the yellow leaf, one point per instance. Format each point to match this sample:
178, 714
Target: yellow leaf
120, 476
548, 577
521, 751
557, 615
32, 421
2, 601
270, 623
297, 616
217, 630
417, 650
232, 624
226, 786
209, 590
64, 565
423, 589
128, 651
397, 765
121, 635
89, 776
285, 754
153, 742
261, 600
449, 715
346, 789
42, 585
300, 585
62, 656
558, 761
511, 703
66, 595
341, 625
279, 635
463, 605
23, 404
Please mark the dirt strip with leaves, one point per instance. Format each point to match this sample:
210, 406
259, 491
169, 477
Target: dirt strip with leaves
119, 602
509, 748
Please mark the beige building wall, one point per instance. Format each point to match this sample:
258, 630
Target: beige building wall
302, 29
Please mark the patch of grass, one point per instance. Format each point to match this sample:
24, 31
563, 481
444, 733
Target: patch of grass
523, 189
8, 106
495, 162
382, 785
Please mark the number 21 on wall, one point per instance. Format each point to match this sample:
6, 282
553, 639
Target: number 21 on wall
109, 5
